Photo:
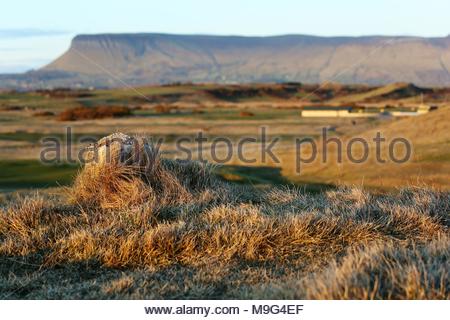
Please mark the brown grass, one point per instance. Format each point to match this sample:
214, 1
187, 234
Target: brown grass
163, 109
157, 228
246, 114
379, 271
87, 113
43, 114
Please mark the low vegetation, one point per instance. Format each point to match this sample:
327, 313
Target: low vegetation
100, 112
163, 109
44, 114
158, 228
246, 114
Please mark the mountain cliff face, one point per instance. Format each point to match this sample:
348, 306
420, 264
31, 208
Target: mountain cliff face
160, 58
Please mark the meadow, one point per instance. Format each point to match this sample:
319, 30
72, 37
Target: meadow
233, 112
163, 227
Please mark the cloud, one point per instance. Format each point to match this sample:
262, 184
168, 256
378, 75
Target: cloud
29, 33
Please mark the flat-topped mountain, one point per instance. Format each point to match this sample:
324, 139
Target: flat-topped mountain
145, 58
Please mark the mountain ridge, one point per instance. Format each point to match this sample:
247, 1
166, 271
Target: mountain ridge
157, 58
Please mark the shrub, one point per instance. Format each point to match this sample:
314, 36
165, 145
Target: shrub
100, 112
43, 114
246, 114
11, 108
163, 109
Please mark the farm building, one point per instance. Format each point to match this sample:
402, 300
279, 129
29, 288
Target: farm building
333, 112
358, 112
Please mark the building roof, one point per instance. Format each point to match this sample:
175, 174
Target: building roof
326, 108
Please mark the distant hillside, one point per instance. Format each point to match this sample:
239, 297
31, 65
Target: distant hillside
161, 58
393, 91
425, 130
429, 137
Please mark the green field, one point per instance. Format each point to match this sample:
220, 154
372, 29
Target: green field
25, 174
186, 110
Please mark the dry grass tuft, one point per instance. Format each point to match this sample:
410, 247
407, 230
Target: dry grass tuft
384, 271
143, 179
379, 271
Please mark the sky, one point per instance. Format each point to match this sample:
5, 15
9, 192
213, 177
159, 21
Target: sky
33, 33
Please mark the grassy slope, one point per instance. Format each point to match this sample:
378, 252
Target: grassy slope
371, 94
165, 229
429, 135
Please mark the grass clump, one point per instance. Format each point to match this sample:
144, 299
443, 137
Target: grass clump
143, 178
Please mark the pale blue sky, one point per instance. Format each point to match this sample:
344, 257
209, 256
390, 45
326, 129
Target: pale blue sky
32, 33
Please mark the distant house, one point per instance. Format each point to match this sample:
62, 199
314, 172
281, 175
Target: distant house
324, 111
361, 112
423, 108
333, 112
